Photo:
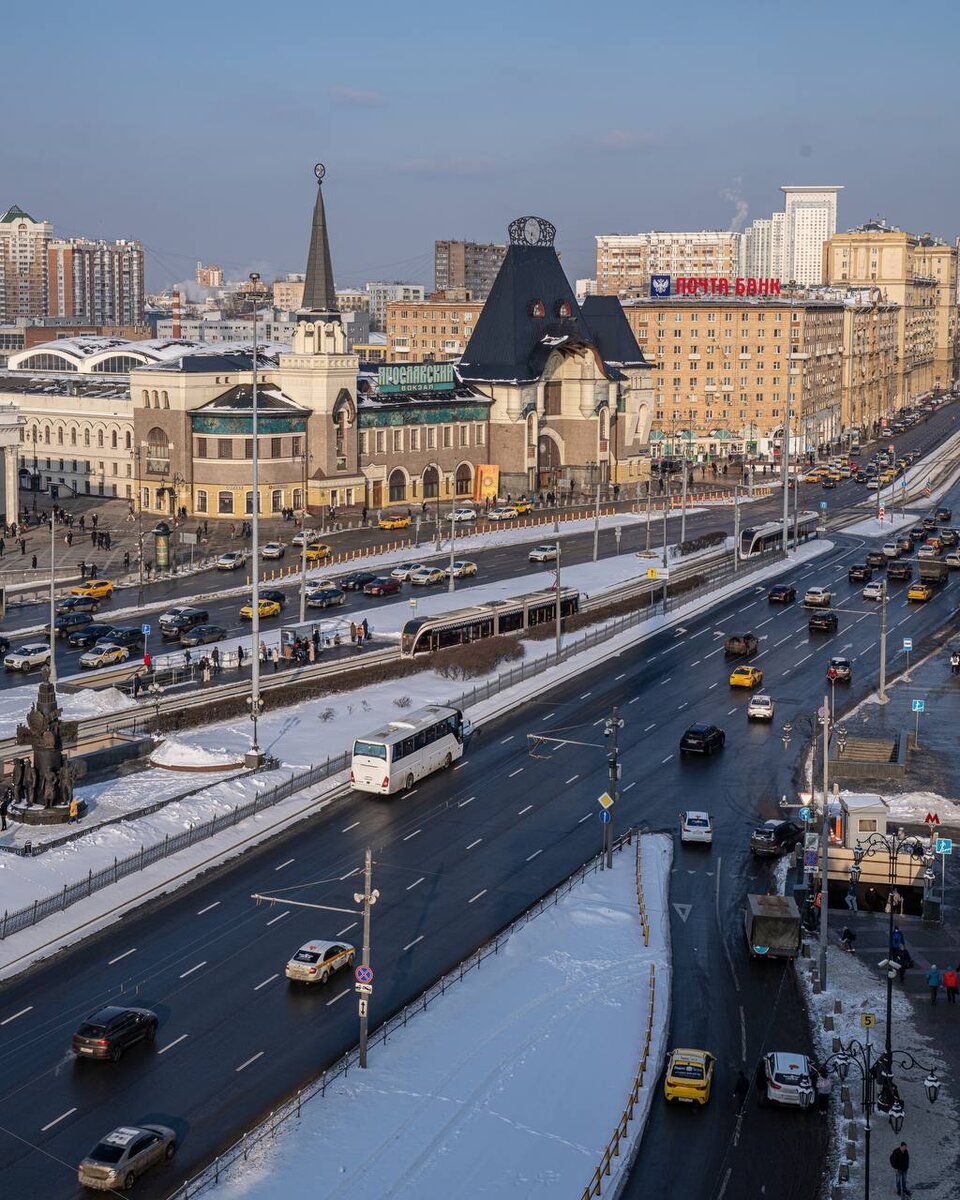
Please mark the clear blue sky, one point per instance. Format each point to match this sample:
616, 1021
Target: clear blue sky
195, 127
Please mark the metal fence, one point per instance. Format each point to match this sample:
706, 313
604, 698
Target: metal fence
241, 1149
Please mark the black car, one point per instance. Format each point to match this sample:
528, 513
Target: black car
828, 482
74, 604
876, 558
274, 594
111, 1030
90, 634
200, 635
178, 620
860, 573
823, 622
324, 597
702, 739
944, 514
356, 581
900, 570
840, 670
773, 838
70, 622
120, 636
782, 593
929, 524
917, 533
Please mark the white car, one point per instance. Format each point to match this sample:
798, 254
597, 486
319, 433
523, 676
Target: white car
506, 512
427, 575
28, 656
310, 535
315, 962
696, 827
233, 560
873, 484
405, 570
760, 708
817, 597
273, 550
463, 514
873, 591
103, 654
927, 552
952, 559
461, 568
787, 1078
544, 553
890, 550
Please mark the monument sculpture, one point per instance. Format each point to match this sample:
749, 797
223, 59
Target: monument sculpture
43, 787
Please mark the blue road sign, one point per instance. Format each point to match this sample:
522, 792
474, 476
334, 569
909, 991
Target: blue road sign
806, 813
364, 974
918, 706
823, 504
810, 858
144, 629
908, 643
605, 815
944, 845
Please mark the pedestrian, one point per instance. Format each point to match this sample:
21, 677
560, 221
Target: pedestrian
365, 630
872, 900
23, 545
353, 633
95, 519
740, 1091
74, 809
275, 655
263, 651
205, 670
33, 562
239, 658
3, 546
897, 940
126, 560
83, 569
900, 1161
215, 659
311, 652
147, 660
93, 537
4, 806
851, 897
934, 980
186, 658
901, 959
950, 983
93, 570
136, 686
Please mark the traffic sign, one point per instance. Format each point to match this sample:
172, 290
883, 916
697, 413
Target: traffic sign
918, 706
868, 1020
908, 643
944, 845
651, 572
364, 974
810, 858
605, 816
365, 989
932, 819
891, 448
806, 813
145, 629
363, 1007
832, 672
883, 512
823, 504
605, 801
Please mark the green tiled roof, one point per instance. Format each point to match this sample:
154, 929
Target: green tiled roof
14, 213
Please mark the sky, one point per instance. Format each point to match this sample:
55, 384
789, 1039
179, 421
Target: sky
195, 127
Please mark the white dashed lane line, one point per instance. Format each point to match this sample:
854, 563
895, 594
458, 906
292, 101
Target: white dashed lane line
192, 969
347, 929
412, 835
22, 1013
572, 779
349, 827
284, 864
477, 896
516, 772
265, 982
629, 786
529, 806
666, 760
503, 741
175, 1042
410, 945
531, 857
548, 716
416, 883
243, 1066
667, 680
120, 957
215, 904
472, 844
338, 996
279, 917
464, 803
649, 727
586, 818
57, 1120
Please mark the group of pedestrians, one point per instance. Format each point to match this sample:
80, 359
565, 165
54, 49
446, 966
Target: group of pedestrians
947, 979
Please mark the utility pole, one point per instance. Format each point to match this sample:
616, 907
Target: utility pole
683, 501
53, 607
596, 522
451, 582
736, 527
557, 597
786, 446
254, 756
883, 642
368, 898
612, 727
139, 531
649, 502
825, 843
304, 517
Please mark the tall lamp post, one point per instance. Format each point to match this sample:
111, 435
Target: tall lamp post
137, 452
254, 756
53, 606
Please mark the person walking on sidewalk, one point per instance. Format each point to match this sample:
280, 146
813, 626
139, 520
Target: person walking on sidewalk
950, 982
851, 897
934, 980
900, 1161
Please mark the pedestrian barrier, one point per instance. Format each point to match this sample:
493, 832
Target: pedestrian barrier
241, 1149
641, 903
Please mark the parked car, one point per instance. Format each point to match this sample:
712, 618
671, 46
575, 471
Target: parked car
383, 585
78, 604
233, 560
773, 838
28, 657
696, 827
356, 581
702, 739
544, 553
841, 668
859, 572
118, 1159
823, 622
818, 597
760, 708
273, 550
461, 568
89, 634
202, 635
175, 621
325, 597
103, 654
316, 961
109, 1031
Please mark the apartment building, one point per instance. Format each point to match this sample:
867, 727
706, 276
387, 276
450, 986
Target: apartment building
625, 261
468, 266
429, 330
810, 220
96, 282
381, 294
23, 265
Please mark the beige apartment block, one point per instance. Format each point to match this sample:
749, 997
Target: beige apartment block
429, 330
870, 328
625, 261
287, 294
919, 274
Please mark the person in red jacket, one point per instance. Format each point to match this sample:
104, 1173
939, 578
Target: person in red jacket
950, 982
147, 660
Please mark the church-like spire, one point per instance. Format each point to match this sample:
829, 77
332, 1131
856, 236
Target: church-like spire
319, 293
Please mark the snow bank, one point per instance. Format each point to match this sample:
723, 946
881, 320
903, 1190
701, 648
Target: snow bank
178, 754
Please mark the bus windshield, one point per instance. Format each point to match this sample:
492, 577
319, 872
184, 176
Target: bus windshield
370, 750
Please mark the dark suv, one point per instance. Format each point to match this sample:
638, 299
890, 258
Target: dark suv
899, 570
944, 515
773, 838
876, 558
109, 1031
823, 622
860, 573
178, 620
782, 593
702, 739
88, 635
120, 636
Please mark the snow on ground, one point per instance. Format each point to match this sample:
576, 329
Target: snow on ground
15, 702
173, 753
525, 1105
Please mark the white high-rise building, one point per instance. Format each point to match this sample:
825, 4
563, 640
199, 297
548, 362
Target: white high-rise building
777, 223
810, 219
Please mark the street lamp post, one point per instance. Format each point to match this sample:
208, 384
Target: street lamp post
451, 582
254, 756
137, 452
824, 716
53, 606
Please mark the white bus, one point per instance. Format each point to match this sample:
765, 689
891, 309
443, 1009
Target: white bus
393, 758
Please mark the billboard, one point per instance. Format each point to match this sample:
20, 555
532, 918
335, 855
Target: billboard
416, 377
487, 482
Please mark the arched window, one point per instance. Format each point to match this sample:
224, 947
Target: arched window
73, 435
113, 440
156, 402
276, 501
201, 501
464, 480
431, 483
86, 437
158, 451
225, 504
100, 438
46, 434
129, 440
118, 364
398, 485
166, 400
604, 424
59, 435
532, 429
298, 498
47, 362
248, 503
145, 397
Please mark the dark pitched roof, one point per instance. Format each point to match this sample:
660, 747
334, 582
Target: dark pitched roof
319, 293
508, 343
240, 399
13, 213
611, 330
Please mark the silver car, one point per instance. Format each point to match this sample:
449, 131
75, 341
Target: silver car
316, 961
25, 658
117, 1160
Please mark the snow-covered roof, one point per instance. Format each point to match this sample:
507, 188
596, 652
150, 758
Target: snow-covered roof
87, 353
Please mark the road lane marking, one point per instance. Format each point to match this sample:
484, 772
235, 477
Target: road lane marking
746, 606
349, 827
409, 888
712, 686
57, 1120
22, 1013
649, 727
274, 920
459, 765
516, 772
586, 818
175, 1042
192, 969
696, 664
572, 779
713, 652
125, 954
618, 677
265, 982
412, 835
338, 996
743, 1035
585, 695
803, 660
284, 864
760, 624
410, 945
208, 908
634, 700
472, 844
507, 739
353, 925
531, 857
683, 705
464, 803
243, 1066
782, 640
353, 872
667, 680
477, 896
600, 722
548, 716
529, 806
628, 787
666, 760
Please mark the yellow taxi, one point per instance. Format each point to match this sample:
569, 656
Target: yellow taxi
523, 506
394, 523
746, 677
920, 591
268, 608
887, 477
812, 477
317, 552
688, 1076
834, 474
99, 589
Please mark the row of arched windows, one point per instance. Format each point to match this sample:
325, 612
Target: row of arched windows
154, 399
36, 434
399, 483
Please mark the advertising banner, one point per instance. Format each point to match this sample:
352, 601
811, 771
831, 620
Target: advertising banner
487, 482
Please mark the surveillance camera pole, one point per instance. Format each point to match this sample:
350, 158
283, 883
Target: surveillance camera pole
368, 898
611, 729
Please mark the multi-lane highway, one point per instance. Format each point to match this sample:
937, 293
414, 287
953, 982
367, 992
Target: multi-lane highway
455, 860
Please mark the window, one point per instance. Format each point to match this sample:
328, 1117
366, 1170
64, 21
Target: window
398, 441
431, 482
276, 447
158, 450
463, 485
113, 439
201, 502
276, 499
447, 436
60, 435
481, 435
414, 439
248, 450
551, 399
225, 450
397, 486
100, 438
464, 435
296, 446
201, 447
248, 503
380, 441
225, 503
431, 438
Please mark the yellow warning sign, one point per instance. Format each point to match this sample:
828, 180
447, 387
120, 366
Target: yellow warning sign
605, 801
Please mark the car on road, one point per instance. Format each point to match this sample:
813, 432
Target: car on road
900, 570
890, 550
828, 481
823, 622
464, 514
123, 635
305, 535
202, 635
273, 550
405, 570
383, 585
873, 591
873, 484
841, 668
266, 608
696, 827
952, 560
233, 560
786, 1078
103, 654
859, 573
761, 707
316, 961
97, 589
68, 623
920, 591
504, 512
774, 838
875, 558
523, 506
688, 1076
356, 581
78, 604
394, 522
702, 739
317, 552
817, 597
176, 621
111, 1030
917, 533
90, 634
274, 594
28, 657
927, 552
944, 515
325, 597
929, 524
905, 543
782, 593
544, 553
426, 576
949, 537
746, 677
118, 1159
461, 568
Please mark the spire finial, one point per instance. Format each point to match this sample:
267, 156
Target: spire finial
319, 170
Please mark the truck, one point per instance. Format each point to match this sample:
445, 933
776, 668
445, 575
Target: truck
772, 926
932, 570
740, 644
